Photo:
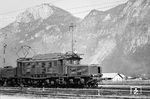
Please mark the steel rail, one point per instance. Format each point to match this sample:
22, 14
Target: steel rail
75, 92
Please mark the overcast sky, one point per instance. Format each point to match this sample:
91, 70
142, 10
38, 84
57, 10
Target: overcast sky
10, 8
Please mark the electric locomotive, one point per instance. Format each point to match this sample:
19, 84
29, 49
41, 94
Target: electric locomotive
51, 70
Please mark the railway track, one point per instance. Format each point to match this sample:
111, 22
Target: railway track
111, 91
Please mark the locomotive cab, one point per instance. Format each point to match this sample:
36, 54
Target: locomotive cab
81, 74
74, 68
72, 58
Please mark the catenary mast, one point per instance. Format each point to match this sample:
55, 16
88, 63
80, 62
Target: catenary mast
71, 29
4, 50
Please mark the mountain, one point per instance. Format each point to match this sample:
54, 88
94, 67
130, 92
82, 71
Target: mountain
118, 39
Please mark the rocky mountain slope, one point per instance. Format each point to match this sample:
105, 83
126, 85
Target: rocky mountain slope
118, 38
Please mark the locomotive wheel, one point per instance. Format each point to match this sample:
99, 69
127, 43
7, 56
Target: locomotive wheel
80, 83
71, 83
62, 83
52, 84
47, 83
5, 83
1, 82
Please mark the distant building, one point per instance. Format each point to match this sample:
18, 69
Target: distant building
135, 78
113, 76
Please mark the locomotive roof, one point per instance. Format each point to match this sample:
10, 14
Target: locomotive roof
48, 56
52, 56
88, 65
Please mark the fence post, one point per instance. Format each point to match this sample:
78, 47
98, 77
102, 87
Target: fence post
99, 92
